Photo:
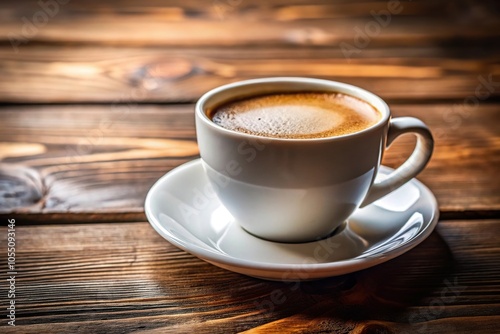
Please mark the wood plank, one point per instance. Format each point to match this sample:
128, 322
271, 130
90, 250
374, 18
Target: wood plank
88, 163
122, 148
129, 75
124, 277
257, 22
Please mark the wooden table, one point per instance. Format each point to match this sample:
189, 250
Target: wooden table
97, 104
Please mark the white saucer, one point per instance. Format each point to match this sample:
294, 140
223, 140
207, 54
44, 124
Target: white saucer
182, 208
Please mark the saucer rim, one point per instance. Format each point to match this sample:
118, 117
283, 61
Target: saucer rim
233, 263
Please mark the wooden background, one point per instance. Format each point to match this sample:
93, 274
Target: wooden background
97, 104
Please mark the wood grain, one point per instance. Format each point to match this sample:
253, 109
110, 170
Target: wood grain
256, 22
119, 75
124, 277
120, 149
94, 160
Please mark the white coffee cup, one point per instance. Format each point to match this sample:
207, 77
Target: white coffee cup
299, 190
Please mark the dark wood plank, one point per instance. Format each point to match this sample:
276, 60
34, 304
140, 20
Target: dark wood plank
116, 278
129, 75
256, 22
92, 163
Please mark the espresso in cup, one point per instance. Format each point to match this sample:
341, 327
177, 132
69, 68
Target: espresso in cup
301, 115
286, 190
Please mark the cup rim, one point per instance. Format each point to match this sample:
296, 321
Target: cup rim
344, 88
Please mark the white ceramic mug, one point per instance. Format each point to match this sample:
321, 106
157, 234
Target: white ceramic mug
298, 190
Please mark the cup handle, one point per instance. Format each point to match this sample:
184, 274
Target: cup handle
412, 166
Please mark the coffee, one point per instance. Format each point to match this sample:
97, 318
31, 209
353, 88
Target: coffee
300, 115
300, 190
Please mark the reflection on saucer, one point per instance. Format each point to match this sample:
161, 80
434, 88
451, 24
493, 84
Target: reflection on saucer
379, 232
399, 200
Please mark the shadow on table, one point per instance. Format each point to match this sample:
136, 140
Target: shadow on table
382, 292
399, 283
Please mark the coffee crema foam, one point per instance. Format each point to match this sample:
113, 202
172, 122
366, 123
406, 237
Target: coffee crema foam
297, 115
